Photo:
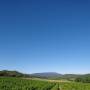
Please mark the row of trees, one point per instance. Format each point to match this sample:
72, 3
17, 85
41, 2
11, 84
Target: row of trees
10, 73
84, 79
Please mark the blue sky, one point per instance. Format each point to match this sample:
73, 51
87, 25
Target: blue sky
45, 36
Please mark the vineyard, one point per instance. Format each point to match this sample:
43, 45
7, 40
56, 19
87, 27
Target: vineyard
23, 84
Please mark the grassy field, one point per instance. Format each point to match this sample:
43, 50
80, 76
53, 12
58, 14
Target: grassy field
29, 84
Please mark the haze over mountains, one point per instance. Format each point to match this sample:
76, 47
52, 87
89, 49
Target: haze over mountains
52, 75
47, 74
55, 75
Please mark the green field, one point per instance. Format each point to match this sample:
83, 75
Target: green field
24, 84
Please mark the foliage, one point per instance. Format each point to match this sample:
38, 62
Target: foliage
84, 79
10, 73
24, 84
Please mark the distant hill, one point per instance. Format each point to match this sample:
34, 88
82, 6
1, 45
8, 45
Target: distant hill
47, 74
83, 78
57, 76
10, 73
6, 73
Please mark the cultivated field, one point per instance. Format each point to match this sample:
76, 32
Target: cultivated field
24, 84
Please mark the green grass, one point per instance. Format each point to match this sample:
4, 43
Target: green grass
75, 86
24, 84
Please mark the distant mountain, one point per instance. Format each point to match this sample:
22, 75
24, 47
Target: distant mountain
47, 74
57, 76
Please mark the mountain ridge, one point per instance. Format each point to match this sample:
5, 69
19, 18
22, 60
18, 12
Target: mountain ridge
47, 74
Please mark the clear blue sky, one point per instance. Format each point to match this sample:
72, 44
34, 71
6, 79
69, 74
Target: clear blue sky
45, 35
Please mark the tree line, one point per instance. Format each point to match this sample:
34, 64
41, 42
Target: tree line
84, 78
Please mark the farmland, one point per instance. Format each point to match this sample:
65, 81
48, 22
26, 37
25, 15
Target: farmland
25, 84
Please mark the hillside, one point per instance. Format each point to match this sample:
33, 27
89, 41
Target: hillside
48, 75
10, 73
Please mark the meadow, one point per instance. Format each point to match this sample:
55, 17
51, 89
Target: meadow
24, 84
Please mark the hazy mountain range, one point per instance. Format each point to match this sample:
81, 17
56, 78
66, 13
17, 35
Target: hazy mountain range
48, 75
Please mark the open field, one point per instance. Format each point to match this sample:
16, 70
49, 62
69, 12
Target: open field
48, 80
24, 84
